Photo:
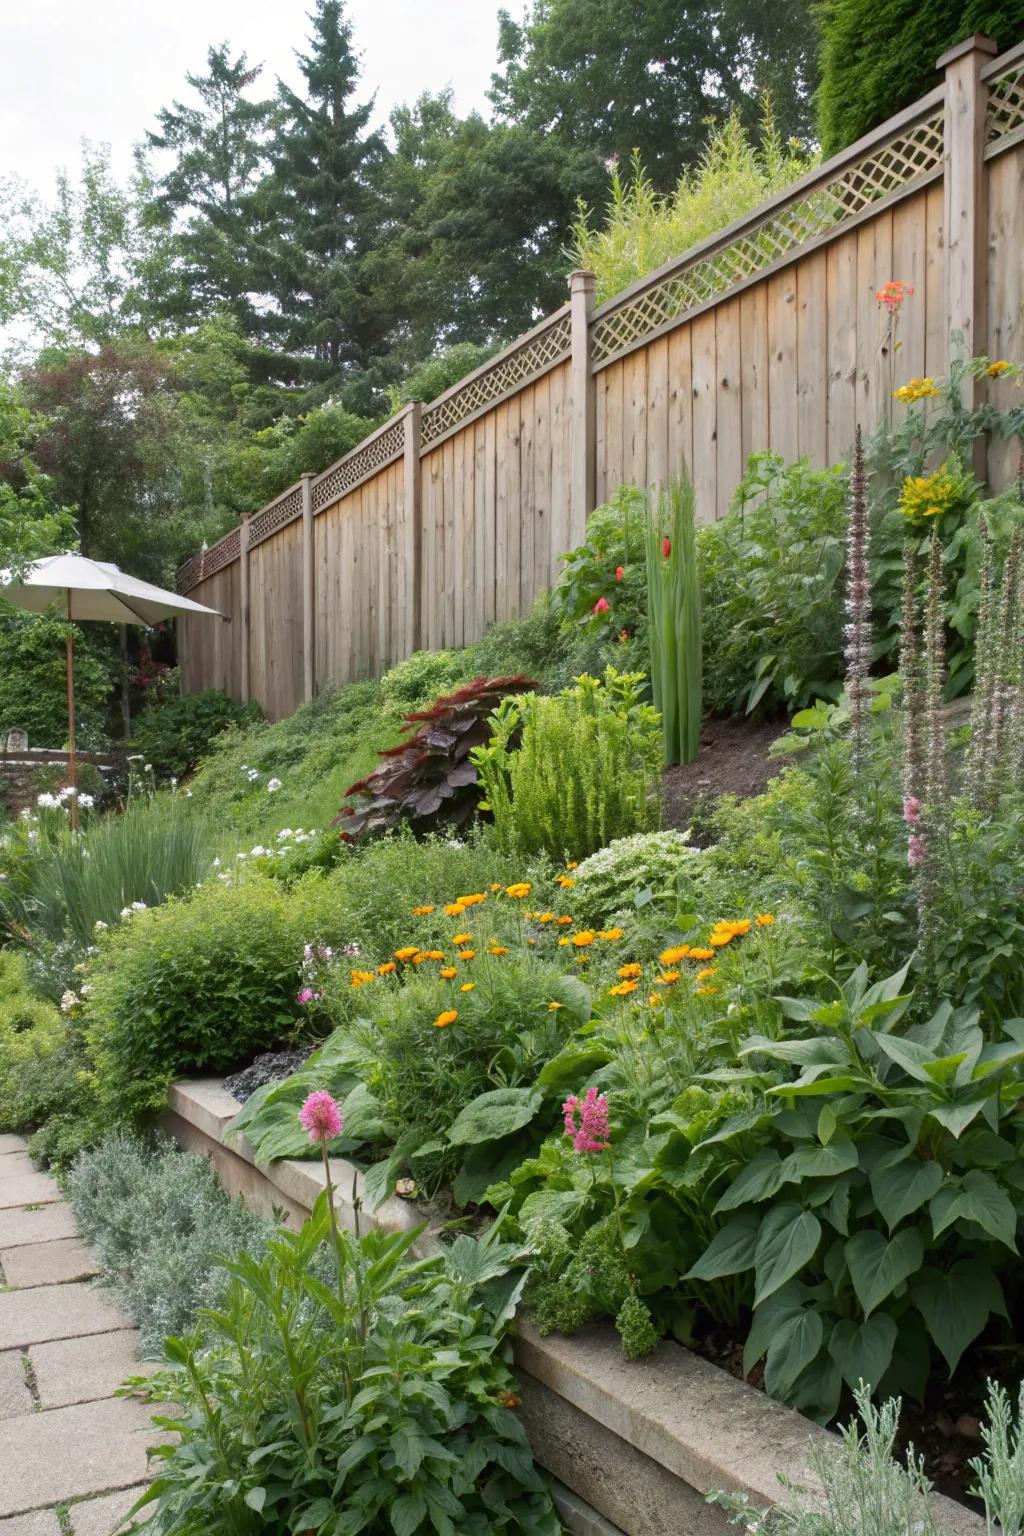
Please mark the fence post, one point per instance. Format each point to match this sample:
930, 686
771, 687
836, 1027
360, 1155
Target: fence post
243, 603
409, 553
308, 591
583, 431
965, 199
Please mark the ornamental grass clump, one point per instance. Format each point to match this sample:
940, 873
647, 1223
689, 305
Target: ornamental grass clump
674, 620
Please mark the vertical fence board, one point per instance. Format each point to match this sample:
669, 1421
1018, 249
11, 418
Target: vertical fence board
782, 361
1005, 338
705, 458
841, 346
680, 401
754, 375
812, 354
728, 409
656, 425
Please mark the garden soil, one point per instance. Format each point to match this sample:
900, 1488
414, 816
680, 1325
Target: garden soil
733, 760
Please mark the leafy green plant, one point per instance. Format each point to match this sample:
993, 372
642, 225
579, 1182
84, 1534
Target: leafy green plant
156, 1217
175, 734
674, 630
770, 588
430, 778
630, 871
31, 1034
380, 1402
1000, 1471
602, 587
587, 768
33, 679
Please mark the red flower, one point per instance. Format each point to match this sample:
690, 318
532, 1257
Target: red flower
602, 605
620, 571
666, 546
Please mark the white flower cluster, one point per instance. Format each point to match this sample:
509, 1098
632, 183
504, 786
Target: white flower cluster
69, 1000
136, 906
252, 774
58, 802
287, 840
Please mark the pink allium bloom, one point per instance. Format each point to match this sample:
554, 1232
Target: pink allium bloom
601, 606
911, 808
321, 1117
586, 1121
915, 851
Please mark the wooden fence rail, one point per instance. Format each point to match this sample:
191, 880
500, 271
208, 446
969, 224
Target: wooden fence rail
769, 334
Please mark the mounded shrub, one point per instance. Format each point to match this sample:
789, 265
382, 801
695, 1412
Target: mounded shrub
611, 879
174, 735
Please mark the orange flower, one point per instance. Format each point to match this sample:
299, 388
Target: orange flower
545, 917
520, 889
463, 938
674, 955
666, 978
433, 954
572, 863
444, 1019
495, 886
467, 954
448, 972
610, 934
454, 909
628, 972
702, 954
423, 911
360, 978
467, 986
566, 882
764, 919
497, 949
473, 899
583, 938
407, 953
623, 989
707, 973
387, 968
563, 921
655, 1000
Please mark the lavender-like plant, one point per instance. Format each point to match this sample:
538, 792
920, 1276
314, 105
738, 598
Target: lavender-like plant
913, 709
857, 632
984, 674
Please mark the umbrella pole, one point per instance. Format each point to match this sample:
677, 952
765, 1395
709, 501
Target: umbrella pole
72, 765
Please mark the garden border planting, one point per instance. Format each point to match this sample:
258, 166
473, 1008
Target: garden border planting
587, 1411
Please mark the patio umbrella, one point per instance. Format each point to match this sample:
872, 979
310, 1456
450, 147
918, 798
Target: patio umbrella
90, 589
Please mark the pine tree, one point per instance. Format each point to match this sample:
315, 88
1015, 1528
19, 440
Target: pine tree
323, 213
220, 150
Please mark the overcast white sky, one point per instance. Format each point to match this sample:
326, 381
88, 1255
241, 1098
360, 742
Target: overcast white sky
100, 69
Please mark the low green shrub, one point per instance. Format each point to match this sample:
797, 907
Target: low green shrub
156, 1218
31, 1035
565, 775
198, 984
609, 881
175, 734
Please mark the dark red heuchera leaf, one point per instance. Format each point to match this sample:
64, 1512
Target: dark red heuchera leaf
428, 779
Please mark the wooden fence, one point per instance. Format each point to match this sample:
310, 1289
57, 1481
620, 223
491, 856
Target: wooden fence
767, 335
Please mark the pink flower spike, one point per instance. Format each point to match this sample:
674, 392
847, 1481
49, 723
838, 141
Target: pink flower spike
911, 808
620, 571
321, 1117
916, 852
308, 995
601, 606
586, 1121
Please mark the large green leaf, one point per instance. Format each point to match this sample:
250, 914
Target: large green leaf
863, 1351
786, 1242
492, 1115
956, 1305
818, 1162
760, 1178
730, 1251
793, 1347
902, 1186
768, 1318
982, 1200
877, 1267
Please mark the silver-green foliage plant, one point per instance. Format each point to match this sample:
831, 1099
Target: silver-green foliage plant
1000, 1472
156, 1217
862, 1490
630, 871
674, 620
567, 774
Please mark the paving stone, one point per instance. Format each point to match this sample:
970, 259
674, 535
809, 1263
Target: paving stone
15, 1396
18, 1227
67, 1453
67, 1258
43, 1522
12, 1143
99, 1516
81, 1370
16, 1162
27, 1189
56, 1312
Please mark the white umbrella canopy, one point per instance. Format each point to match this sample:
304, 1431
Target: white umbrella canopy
90, 589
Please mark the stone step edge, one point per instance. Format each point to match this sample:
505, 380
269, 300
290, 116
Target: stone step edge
692, 1417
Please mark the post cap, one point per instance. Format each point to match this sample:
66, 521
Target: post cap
581, 278
976, 43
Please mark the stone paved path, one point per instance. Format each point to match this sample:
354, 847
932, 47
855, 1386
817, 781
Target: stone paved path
72, 1455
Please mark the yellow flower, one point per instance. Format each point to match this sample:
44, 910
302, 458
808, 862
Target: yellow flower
564, 940
705, 991
407, 953
731, 930
545, 917
623, 989
995, 369
655, 1000
764, 919
495, 886
467, 986
917, 389
667, 978
610, 934
704, 975
444, 1019
571, 863
455, 909
467, 954
463, 938
566, 882
473, 899
497, 949
387, 968
930, 495
674, 955
564, 921
423, 911
532, 943
519, 890
702, 954
583, 938
554, 1007
448, 972
360, 978
630, 971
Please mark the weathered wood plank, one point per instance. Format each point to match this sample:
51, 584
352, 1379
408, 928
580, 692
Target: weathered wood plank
728, 409
782, 362
812, 351
754, 373
841, 300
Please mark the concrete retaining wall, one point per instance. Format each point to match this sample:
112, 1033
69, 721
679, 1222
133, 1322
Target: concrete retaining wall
634, 1445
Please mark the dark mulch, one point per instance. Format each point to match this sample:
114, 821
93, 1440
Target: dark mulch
272, 1067
733, 760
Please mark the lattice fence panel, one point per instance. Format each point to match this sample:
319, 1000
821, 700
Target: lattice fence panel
284, 510
209, 561
903, 158
1006, 103
381, 450
507, 373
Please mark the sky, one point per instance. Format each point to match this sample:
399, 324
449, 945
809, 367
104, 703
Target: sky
101, 69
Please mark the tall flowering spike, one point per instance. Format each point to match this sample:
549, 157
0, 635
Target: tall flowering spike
321, 1117
586, 1121
1015, 744
926, 837
910, 674
858, 607
984, 675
